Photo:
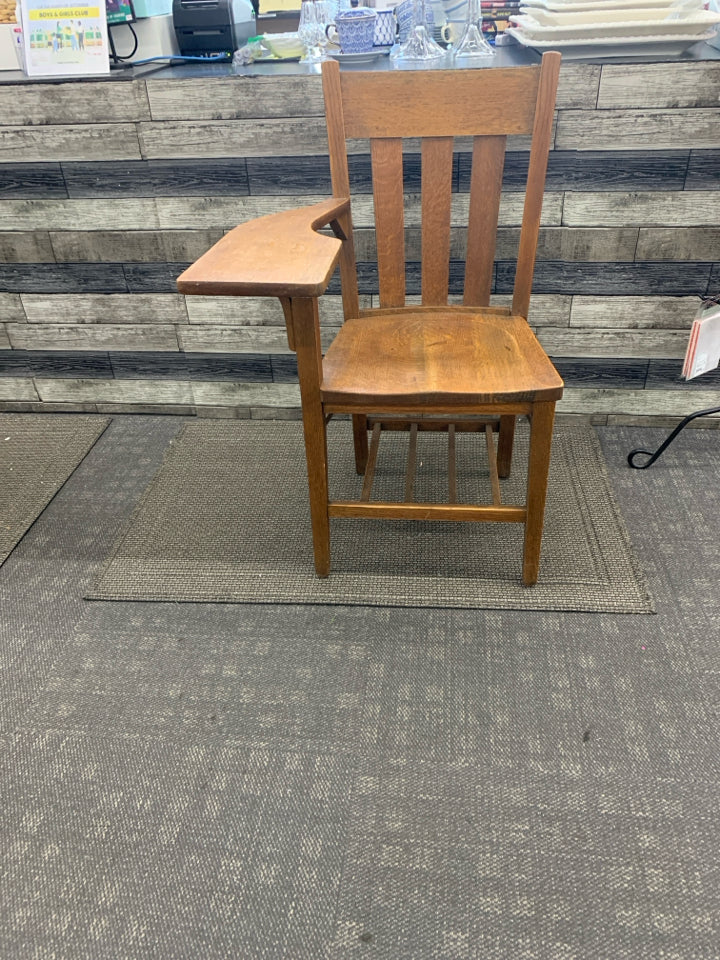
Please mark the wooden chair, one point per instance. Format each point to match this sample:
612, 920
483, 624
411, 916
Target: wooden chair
468, 366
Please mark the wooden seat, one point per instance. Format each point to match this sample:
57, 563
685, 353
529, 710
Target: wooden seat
468, 366
438, 357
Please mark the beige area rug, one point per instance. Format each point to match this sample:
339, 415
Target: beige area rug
38, 452
226, 519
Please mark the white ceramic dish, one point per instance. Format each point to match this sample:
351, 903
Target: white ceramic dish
367, 56
693, 25
591, 49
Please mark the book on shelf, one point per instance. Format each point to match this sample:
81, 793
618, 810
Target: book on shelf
703, 349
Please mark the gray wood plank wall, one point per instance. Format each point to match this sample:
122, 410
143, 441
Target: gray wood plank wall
107, 191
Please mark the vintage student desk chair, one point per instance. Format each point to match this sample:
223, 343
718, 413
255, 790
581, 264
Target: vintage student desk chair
424, 366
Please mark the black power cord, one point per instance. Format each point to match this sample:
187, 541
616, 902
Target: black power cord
116, 60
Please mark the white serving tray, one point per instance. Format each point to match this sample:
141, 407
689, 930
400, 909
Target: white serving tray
556, 18
692, 25
597, 47
595, 5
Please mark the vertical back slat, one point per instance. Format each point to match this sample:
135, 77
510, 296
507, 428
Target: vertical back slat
340, 179
437, 162
488, 160
542, 134
387, 171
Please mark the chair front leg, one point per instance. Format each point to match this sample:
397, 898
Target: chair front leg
306, 335
541, 429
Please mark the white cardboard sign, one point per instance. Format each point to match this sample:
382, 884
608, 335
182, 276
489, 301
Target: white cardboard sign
63, 39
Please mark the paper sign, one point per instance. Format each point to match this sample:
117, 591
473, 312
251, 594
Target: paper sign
703, 350
63, 39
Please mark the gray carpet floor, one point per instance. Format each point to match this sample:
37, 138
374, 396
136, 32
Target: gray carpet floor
260, 781
37, 455
227, 519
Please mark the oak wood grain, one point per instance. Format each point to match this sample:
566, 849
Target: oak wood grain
542, 135
439, 356
450, 103
340, 177
437, 174
389, 220
485, 190
380, 510
279, 255
541, 427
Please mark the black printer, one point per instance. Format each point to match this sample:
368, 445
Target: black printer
208, 27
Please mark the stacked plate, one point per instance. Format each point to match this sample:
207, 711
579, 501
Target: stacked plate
601, 28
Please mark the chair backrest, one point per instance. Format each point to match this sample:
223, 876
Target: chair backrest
437, 106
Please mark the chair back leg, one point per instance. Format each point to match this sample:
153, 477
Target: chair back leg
541, 428
506, 437
360, 439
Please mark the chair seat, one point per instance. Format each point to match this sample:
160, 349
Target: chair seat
442, 357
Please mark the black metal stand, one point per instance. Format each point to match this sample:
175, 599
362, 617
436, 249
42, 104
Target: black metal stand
653, 456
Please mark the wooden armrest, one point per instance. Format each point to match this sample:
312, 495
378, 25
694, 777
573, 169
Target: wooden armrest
280, 255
